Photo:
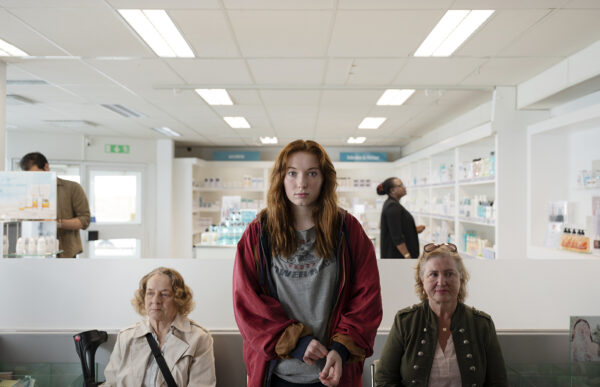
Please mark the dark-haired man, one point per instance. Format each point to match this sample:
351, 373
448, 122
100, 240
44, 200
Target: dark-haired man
72, 209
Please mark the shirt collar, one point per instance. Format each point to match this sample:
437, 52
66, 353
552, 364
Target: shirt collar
180, 323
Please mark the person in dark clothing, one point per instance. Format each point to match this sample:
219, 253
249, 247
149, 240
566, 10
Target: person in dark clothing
398, 231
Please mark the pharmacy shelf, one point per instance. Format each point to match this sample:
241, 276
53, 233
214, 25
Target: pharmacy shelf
206, 209
476, 221
442, 217
479, 181
449, 184
232, 189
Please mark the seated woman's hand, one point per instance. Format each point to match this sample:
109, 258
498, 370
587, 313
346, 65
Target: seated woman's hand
314, 352
332, 372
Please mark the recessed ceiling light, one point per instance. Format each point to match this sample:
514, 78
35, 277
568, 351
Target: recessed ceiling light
395, 97
158, 30
237, 122
371, 122
268, 140
356, 140
215, 96
452, 31
7, 49
123, 110
167, 131
14, 99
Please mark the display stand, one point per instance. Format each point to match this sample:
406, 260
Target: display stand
562, 158
452, 190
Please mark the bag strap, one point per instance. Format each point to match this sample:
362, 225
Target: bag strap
160, 360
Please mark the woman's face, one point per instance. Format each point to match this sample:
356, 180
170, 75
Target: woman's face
303, 179
398, 190
441, 280
582, 330
159, 300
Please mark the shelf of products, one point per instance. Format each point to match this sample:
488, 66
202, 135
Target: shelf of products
563, 176
201, 209
453, 193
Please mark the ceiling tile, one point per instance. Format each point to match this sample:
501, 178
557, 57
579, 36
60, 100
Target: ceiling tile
287, 71
136, 73
279, 4
508, 71
21, 35
508, 4
374, 71
388, 34
292, 120
162, 4
338, 71
64, 72
208, 32
561, 33
282, 33
91, 32
290, 97
394, 4
366, 98
436, 71
211, 72
502, 29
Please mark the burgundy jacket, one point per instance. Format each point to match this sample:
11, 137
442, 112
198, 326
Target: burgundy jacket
269, 334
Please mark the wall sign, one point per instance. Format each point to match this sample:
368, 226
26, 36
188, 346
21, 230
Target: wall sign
236, 156
363, 156
116, 148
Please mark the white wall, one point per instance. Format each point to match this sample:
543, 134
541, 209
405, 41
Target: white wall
55, 294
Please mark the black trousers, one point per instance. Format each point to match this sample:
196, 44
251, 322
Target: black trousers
276, 381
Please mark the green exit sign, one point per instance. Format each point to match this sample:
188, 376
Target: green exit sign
116, 148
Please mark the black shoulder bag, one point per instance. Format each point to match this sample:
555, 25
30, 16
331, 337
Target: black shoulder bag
160, 360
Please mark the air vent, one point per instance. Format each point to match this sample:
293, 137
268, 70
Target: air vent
26, 82
123, 110
70, 123
13, 99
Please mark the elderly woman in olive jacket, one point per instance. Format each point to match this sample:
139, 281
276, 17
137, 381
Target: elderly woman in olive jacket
441, 341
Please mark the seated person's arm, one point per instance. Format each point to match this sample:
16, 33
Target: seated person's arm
202, 369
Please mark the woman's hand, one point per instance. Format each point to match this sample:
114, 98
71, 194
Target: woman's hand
332, 372
314, 352
420, 228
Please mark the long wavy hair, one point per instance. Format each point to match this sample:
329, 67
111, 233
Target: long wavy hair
277, 218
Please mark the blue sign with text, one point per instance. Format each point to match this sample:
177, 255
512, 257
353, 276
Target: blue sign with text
363, 156
236, 156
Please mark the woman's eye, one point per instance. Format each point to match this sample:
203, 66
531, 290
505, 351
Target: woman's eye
165, 294
312, 174
149, 294
291, 173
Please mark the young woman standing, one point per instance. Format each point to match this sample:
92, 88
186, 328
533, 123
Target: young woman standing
306, 291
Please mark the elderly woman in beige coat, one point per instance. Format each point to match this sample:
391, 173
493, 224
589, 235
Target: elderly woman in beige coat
164, 300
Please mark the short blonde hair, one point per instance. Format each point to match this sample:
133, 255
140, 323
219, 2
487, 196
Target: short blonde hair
440, 252
182, 293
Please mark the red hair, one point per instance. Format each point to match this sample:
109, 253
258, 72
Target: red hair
277, 217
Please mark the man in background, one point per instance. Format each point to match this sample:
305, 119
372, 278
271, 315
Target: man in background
72, 208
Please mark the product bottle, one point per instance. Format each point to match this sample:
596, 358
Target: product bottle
492, 163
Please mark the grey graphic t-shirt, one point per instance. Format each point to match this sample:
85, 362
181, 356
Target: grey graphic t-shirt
306, 289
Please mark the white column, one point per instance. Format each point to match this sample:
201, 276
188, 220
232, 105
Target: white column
165, 150
2, 116
511, 172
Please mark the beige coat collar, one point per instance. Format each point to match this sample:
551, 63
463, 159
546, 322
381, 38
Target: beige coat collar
174, 349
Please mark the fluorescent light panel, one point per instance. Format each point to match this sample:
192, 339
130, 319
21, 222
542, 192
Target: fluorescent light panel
395, 97
123, 110
268, 140
7, 49
371, 122
237, 122
215, 96
158, 30
356, 140
451, 31
167, 131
